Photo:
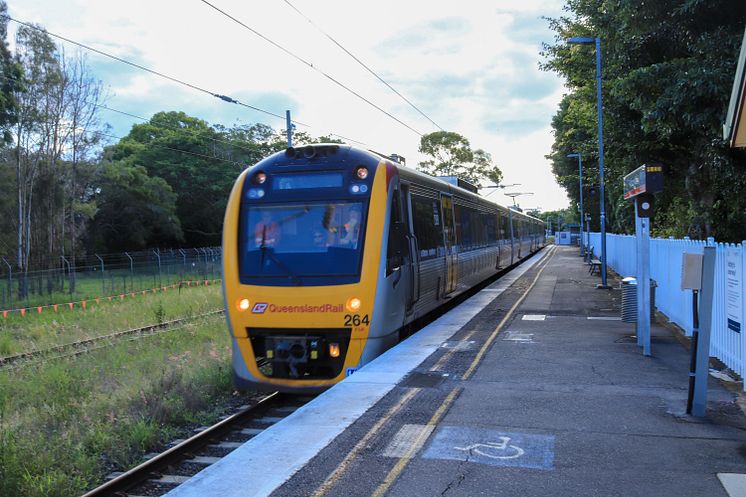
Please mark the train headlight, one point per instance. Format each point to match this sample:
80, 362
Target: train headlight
353, 304
260, 178
333, 350
243, 304
361, 172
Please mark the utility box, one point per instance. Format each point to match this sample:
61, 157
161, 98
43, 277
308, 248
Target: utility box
691, 271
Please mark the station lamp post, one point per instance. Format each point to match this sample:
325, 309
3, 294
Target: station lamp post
599, 102
582, 212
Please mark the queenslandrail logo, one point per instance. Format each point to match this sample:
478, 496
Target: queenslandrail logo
261, 307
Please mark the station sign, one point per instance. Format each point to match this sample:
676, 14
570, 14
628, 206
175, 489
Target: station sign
647, 178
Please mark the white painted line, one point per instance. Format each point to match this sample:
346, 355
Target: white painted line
605, 318
517, 336
734, 484
534, 317
458, 346
268, 460
403, 441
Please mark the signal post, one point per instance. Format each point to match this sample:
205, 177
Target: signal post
640, 185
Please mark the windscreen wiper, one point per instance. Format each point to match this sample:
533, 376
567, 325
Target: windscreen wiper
263, 247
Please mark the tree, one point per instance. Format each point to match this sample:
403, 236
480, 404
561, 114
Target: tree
135, 211
452, 155
667, 74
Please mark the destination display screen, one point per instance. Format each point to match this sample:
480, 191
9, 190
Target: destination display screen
306, 181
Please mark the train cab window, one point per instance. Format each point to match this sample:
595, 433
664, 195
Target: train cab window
302, 243
427, 226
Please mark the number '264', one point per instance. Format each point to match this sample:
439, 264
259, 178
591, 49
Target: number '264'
356, 320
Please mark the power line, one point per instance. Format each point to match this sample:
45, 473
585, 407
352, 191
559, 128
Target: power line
109, 135
224, 98
310, 65
170, 78
145, 119
361, 63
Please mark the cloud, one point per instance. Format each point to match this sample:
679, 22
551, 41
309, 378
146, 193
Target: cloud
434, 36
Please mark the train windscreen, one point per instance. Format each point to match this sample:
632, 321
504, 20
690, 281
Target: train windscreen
301, 244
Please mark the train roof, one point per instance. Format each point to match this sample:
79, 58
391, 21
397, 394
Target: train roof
349, 153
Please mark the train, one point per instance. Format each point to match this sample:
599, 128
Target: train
331, 252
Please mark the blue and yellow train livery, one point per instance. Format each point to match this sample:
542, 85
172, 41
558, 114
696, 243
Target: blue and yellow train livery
329, 252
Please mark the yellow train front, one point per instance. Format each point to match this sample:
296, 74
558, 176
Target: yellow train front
330, 251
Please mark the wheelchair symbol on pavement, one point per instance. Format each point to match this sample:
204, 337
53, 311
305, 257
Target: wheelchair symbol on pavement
495, 450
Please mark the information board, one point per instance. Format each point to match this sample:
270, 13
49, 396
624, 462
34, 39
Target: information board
647, 178
733, 289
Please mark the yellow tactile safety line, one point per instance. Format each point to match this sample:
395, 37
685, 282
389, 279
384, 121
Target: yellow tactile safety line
416, 446
447, 355
504, 320
362, 444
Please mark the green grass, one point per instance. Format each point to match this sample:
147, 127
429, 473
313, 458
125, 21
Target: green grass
65, 424
36, 331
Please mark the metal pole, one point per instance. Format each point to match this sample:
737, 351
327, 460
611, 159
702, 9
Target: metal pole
643, 281
10, 283
158, 256
699, 403
103, 281
580, 166
69, 272
289, 125
132, 273
693, 360
601, 164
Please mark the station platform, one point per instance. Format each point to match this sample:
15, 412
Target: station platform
532, 387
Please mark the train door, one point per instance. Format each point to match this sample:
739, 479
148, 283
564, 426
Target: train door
449, 238
512, 238
414, 250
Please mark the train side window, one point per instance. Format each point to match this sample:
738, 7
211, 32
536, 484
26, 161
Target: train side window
427, 226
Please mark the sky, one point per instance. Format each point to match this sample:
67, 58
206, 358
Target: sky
470, 66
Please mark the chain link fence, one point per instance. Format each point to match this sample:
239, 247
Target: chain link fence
105, 275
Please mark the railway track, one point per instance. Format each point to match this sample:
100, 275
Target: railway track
162, 472
90, 344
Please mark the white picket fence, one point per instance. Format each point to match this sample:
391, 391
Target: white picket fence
671, 300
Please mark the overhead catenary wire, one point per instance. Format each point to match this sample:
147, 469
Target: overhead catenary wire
162, 75
224, 98
109, 135
356, 59
310, 65
148, 121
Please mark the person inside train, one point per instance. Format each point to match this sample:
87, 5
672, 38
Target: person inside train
266, 231
351, 230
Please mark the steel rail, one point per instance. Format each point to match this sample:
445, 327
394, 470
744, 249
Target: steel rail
143, 471
6, 362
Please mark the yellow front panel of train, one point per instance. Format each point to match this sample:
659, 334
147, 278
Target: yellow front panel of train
314, 309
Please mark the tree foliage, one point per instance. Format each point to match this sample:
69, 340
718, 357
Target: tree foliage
452, 155
668, 69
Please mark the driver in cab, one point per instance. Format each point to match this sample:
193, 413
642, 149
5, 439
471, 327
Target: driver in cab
266, 231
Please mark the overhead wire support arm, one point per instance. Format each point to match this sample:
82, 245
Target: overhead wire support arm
310, 65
